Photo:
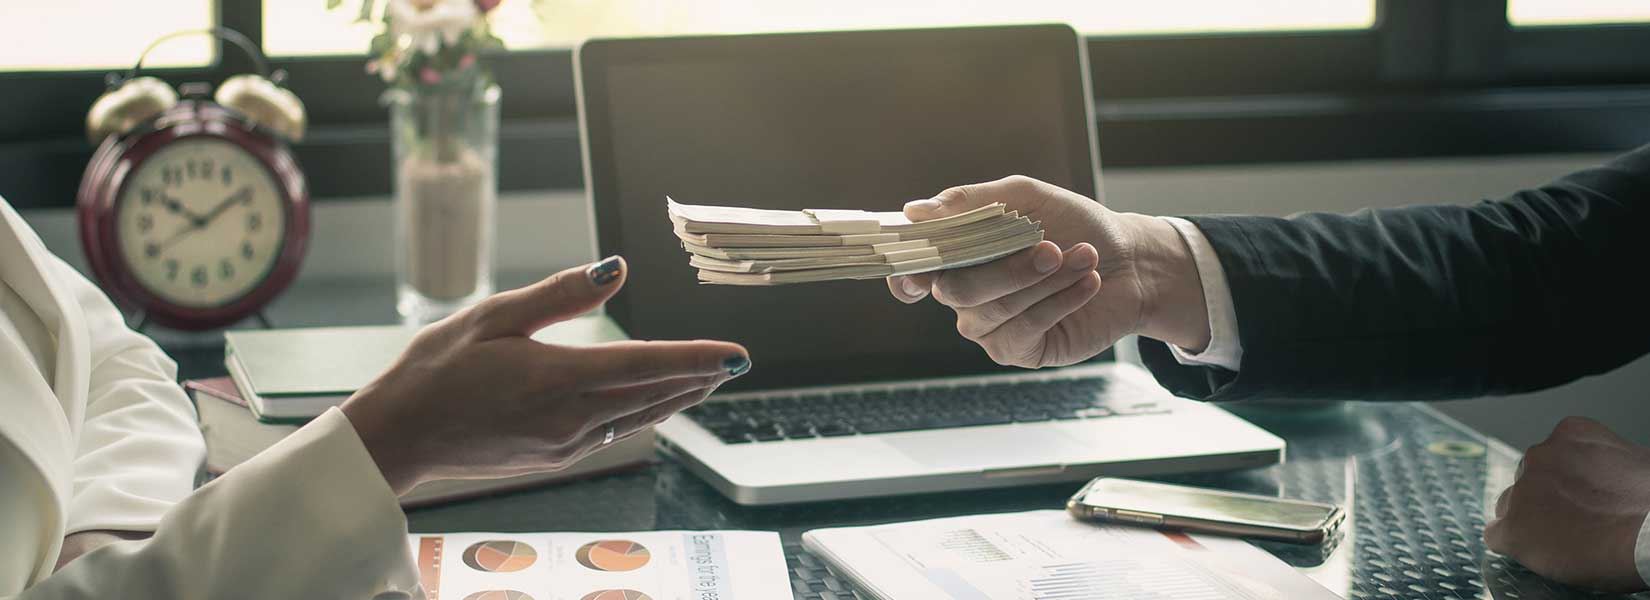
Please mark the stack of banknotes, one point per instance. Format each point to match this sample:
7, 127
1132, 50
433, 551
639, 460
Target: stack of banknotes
753, 246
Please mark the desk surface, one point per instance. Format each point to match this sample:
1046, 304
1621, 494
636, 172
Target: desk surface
1418, 487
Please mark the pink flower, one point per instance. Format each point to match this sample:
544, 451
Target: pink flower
429, 76
487, 5
466, 61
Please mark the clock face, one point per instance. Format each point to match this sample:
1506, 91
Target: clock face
200, 222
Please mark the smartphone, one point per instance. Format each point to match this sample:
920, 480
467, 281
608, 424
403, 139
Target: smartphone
1107, 499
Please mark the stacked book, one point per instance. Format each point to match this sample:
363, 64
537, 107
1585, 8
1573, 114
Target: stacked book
752, 246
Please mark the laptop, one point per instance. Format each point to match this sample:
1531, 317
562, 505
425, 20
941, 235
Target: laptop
854, 394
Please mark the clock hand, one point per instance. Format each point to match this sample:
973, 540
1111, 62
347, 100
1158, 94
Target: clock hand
201, 221
210, 215
174, 206
178, 235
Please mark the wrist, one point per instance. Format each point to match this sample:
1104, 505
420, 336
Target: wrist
400, 470
1173, 308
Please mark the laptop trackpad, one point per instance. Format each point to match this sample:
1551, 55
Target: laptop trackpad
987, 447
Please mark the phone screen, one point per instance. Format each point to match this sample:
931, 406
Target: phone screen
1172, 500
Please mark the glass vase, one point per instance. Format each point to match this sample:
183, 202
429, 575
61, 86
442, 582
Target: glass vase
445, 145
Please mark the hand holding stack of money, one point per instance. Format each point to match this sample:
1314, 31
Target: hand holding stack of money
751, 246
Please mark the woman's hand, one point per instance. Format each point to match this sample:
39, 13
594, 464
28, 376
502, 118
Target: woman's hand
474, 397
1046, 305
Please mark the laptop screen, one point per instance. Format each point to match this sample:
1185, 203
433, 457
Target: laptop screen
865, 120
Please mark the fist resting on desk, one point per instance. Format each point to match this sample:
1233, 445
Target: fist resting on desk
1574, 511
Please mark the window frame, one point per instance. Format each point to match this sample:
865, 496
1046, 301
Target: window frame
1428, 79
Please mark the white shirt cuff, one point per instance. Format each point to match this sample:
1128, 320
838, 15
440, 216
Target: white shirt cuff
1641, 551
1225, 350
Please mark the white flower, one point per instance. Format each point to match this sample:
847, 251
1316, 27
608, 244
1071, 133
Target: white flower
424, 24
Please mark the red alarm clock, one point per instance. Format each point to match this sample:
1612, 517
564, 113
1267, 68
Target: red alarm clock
193, 210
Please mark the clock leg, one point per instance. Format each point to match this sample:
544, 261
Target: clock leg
142, 322
263, 320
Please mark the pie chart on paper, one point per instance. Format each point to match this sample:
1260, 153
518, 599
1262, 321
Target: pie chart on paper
498, 595
612, 556
499, 556
616, 595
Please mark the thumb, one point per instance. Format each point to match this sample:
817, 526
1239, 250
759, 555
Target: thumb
1017, 192
952, 201
559, 297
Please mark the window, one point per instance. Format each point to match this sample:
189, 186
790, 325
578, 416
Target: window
306, 28
98, 34
1176, 82
1524, 13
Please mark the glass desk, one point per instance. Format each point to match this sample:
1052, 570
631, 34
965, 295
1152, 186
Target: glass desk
1417, 486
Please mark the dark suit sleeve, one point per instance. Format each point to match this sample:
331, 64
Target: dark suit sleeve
1431, 302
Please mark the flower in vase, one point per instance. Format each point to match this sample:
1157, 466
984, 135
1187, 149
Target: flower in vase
426, 24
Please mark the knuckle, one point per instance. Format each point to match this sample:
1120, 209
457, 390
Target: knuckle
996, 354
953, 194
1020, 330
1575, 426
995, 311
950, 292
1537, 456
1018, 183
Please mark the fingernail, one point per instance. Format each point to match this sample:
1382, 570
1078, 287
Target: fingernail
1084, 265
1045, 261
736, 365
926, 204
912, 289
604, 272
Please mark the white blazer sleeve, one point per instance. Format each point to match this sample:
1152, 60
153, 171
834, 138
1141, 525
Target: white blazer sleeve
139, 446
309, 518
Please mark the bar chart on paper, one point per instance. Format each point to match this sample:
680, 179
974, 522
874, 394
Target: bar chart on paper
1047, 555
1124, 580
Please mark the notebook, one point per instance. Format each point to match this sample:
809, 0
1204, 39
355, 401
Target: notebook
293, 375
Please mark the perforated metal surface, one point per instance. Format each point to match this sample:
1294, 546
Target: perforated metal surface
1417, 487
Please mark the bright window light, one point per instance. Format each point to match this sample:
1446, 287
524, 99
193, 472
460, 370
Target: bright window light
305, 27
1576, 12
99, 34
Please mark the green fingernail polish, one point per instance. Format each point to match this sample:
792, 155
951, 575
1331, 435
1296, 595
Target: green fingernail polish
736, 365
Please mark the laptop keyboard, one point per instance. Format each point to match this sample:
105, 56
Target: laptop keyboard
769, 419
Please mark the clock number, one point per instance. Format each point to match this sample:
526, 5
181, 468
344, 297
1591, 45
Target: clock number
171, 175
226, 270
190, 164
206, 169
148, 197
198, 276
172, 269
227, 176
254, 221
146, 222
151, 250
246, 250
